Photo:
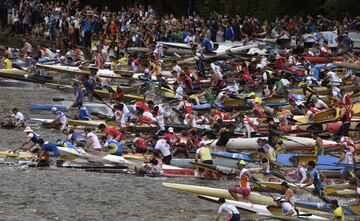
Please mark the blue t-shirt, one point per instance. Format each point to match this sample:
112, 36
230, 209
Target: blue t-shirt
86, 25
79, 94
52, 148
316, 178
229, 34
207, 45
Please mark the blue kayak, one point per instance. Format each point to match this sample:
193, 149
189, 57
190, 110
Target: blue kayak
324, 162
47, 107
201, 106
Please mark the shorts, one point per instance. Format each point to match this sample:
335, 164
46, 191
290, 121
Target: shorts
243, 191
207, 162
166, 160
234, 217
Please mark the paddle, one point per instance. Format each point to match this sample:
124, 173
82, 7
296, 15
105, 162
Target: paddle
101, 100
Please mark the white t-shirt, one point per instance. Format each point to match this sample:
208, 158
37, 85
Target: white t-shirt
285, 82
95, 144
163, 147
178, 93
320, 104
177, 68
228, 208
19, 116
286, 207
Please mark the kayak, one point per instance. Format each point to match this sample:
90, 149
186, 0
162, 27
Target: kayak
324, 162
322, 90
290, 142
215, 192
47, 107
347, 65
90, 123
22, 75
340, 192
242, 103
188, 163
322, 60
104, 158
20, 155
263, 210
348, 210
323, 127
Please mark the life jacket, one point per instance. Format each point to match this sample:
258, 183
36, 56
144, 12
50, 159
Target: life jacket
141, 143
183, 141
115, 148
205, 154
146, 120
249, 122
187, 106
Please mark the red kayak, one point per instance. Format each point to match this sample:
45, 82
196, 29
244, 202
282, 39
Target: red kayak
322, 60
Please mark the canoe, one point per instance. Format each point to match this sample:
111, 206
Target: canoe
348, 210
291, 143
322, 60
347, 65
22, 75
215, 192
340, 192
90, 123
20, 155
263, 210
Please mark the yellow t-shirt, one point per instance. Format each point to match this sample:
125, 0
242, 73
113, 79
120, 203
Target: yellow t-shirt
7, 64
338, 214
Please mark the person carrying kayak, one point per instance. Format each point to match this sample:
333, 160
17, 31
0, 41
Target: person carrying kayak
346, 160
244, 184
112, 145
60, 119
337, 211
47, 150
231, 210
319, 145
286, 208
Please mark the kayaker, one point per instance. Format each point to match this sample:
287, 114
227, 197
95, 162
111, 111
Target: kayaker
140, 143
110, 132
232, 212
288, 193
268, 149
92, 141
170, 137
83, 113
162, 147
244, 184
47, 150
120, 116
79, 96
182, 144
299, 171
264, 162
337, 211
185, 106
345, 116
286, 208
319, 104
90, 83
346, 161
314, 179
19, 120
223, 138
112, 145
203, 154
76, 138
319, 145
31, 138
60, 120
152, 166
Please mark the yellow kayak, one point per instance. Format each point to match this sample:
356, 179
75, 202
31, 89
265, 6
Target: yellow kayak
93, 123
17, 155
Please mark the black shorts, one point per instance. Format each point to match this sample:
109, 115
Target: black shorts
166, 160
208, 162
235, 217
76, 104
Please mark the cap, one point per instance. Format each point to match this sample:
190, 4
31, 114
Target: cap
242, 162
28, 130
171, 130
53, 109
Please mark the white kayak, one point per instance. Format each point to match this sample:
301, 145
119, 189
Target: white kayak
104, 158
291, 142
268, 211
